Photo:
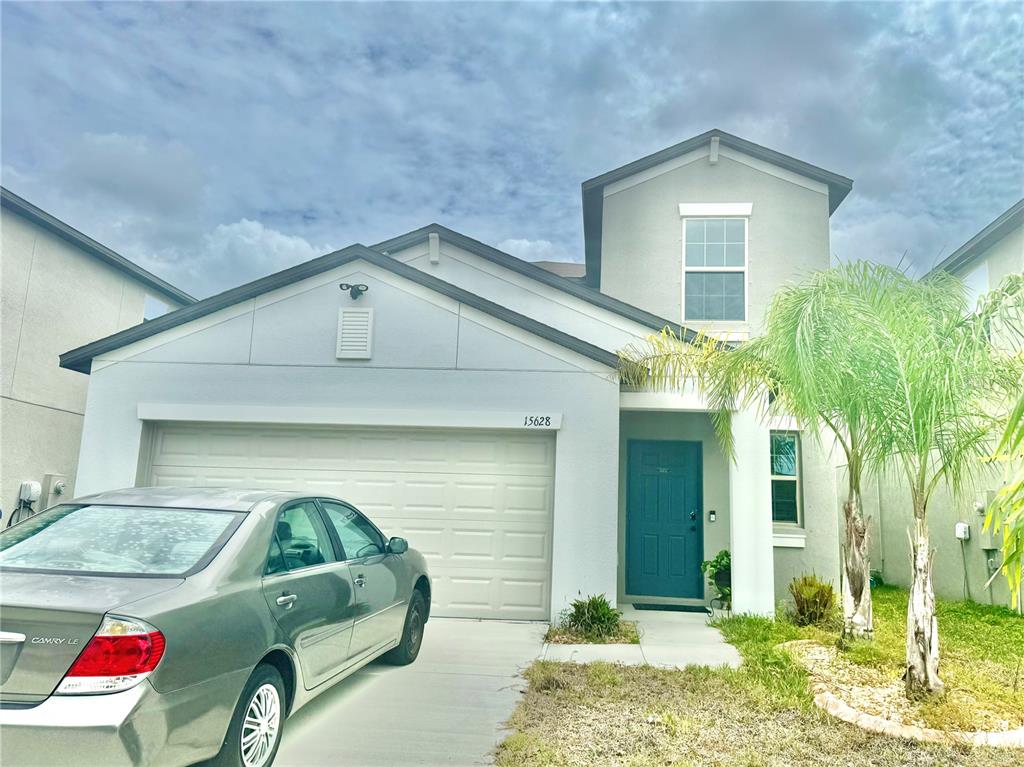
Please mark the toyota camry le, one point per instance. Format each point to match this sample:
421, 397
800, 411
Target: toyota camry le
169, 626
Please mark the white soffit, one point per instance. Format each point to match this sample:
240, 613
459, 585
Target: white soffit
692, 209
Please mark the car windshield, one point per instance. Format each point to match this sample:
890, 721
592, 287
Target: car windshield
119, 540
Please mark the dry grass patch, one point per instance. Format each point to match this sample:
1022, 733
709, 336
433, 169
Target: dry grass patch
627, 633
602, 715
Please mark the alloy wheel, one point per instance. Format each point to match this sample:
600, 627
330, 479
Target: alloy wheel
261, 726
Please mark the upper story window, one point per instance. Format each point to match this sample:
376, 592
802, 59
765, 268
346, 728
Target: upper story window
715, 269
785, 455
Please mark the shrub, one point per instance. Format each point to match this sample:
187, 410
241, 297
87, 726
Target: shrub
593, 616
813, 598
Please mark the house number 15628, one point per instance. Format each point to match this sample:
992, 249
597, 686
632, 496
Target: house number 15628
537, 420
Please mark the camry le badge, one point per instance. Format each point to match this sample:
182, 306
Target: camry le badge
53, 640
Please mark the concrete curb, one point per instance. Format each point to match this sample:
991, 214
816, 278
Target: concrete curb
828, 702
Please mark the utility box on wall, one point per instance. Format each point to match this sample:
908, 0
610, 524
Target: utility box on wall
56, 488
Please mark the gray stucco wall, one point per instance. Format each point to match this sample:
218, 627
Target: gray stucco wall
54, 297
960, 570
642, 251
430, 355
821, 553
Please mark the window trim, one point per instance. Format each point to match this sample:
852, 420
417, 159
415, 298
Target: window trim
718, 269
798, 479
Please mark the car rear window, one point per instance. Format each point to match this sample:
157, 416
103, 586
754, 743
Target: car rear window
117, 540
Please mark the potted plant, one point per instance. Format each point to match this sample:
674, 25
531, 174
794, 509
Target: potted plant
719, 573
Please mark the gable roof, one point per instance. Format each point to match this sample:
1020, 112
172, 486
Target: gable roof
571, 286
593, 189
80, 359
40, 217
983, 240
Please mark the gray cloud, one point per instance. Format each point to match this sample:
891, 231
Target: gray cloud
218, 142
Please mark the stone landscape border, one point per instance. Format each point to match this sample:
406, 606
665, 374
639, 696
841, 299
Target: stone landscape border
828, 702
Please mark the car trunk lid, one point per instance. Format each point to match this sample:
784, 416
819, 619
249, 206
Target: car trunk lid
48, 619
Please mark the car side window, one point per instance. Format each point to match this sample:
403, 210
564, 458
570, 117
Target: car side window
358, 537
300, 539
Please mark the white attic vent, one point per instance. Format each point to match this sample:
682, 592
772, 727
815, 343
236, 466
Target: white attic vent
355, 334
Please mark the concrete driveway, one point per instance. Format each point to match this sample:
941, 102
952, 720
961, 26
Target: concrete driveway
447, 708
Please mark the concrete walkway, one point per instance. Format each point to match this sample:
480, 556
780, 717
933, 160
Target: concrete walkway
667, 640
447, 708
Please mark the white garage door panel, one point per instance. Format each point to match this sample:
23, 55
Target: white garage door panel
476, 504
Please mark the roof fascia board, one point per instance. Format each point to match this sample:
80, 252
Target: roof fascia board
839, 186
532, 271
80, 359
69, 234
983, 240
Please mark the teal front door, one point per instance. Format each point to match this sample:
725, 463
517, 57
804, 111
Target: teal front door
664, 520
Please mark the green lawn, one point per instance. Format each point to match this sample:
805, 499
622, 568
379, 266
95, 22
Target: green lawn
982, 655
761, 715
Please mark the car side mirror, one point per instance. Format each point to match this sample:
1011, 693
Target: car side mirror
398, 545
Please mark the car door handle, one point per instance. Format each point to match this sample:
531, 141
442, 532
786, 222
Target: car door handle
360, 580
286, 600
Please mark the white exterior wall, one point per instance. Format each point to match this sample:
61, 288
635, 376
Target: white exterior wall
54, 297
438, 362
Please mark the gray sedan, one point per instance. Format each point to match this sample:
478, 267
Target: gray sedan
170, 626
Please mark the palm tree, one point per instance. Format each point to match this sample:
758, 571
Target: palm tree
900, 373
1007, 511
814, 361
946, 381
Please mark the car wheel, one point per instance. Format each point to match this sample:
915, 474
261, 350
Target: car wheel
254, 734
412, 636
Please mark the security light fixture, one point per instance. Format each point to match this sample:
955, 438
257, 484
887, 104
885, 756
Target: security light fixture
354, 290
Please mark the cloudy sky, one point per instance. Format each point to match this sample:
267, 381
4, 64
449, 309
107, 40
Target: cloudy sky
215, 143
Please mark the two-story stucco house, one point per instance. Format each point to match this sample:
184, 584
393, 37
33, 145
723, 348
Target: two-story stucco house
59, 289
470, 401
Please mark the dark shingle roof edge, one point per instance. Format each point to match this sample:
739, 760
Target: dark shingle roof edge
984, 239
80, 359
839, 186
571, 286
40, 217
593, 208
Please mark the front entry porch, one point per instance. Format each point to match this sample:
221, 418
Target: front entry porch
682, 500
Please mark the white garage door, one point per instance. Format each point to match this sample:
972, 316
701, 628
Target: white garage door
476, 504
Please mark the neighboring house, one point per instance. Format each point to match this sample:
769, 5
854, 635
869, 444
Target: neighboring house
59, 289
962, 567
470, 401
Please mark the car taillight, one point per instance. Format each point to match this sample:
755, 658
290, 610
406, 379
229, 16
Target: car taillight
122, 653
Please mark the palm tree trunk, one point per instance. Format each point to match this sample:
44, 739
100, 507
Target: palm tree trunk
858, 622
922, 672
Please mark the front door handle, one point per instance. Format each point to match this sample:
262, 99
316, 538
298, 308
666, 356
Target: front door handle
286, 600
360, 580
693, 516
